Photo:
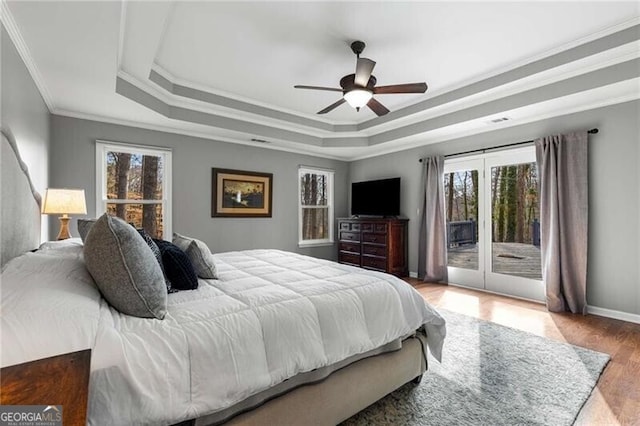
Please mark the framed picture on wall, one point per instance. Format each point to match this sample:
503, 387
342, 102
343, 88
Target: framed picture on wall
239, 193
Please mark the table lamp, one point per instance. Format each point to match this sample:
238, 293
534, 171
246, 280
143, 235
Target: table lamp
64, 202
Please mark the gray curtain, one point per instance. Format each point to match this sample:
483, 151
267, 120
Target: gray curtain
562, 166
432, 248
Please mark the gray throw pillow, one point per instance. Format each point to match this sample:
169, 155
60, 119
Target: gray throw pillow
84, 225
199, 255
125, 269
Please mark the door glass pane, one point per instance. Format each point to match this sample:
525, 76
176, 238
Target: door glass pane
461, 203
515, 247
147, 216
134, 176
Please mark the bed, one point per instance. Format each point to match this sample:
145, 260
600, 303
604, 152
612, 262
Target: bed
277, 338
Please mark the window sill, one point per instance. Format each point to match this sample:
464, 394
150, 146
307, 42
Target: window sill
305, 244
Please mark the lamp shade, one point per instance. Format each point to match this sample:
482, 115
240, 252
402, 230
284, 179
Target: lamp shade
358, 98
64, 201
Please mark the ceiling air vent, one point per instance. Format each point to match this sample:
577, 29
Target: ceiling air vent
499, 120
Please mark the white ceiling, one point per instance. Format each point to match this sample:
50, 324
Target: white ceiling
255, 52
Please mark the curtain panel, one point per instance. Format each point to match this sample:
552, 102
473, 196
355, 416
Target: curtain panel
432, 247
562, 165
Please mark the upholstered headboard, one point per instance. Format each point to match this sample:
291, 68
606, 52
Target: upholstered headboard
19, 203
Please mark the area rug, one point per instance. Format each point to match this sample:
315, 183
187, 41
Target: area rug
493, 375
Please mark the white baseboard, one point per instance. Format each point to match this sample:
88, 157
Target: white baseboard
610, 313
593, 310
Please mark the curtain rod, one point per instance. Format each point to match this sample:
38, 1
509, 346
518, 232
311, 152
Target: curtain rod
592, 132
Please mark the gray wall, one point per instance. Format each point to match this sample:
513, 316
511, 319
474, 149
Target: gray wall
614, 206
73, 165
24, 112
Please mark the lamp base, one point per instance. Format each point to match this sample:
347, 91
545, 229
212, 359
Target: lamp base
64, 228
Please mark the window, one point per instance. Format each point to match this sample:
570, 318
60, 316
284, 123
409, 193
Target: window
134, 183
315, 224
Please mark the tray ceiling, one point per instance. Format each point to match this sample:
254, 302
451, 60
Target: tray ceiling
226, 70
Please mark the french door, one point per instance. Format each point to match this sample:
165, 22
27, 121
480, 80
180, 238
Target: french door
493, 229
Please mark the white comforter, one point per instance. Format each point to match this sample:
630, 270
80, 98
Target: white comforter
270, 316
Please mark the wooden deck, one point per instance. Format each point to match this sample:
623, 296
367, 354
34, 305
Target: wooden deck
522, 260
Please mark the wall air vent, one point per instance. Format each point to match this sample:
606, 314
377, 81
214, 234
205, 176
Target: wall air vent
259, 140
499, 120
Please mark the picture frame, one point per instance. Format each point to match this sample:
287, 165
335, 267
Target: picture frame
241, 193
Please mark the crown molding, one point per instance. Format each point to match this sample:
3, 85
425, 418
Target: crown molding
23, 50
212, 136
425, 139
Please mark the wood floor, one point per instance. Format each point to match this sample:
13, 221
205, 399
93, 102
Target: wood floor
616, 399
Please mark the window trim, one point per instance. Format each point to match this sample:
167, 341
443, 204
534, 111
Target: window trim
330, 177
102, 147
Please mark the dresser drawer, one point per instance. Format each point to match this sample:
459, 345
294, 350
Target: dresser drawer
348, 226
374, 263
380, 227
351, 247
374, 250
367, 227
374, 238
349, 236
351, 259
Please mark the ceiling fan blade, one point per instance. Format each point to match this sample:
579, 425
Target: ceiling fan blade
332, 106
331, 89
364, 68
401, 88
377, 107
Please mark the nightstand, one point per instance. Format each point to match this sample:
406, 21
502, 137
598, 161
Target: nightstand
59, 380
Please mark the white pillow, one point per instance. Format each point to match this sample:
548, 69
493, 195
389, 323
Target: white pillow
61, 244
199, 254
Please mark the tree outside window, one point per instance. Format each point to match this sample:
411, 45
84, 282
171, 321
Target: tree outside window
133, 185
315, 206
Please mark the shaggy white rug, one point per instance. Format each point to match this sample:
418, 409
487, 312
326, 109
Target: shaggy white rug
493, 375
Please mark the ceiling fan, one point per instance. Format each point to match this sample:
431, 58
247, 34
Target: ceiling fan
358, 89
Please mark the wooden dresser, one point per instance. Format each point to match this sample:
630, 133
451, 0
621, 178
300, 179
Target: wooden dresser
378, 244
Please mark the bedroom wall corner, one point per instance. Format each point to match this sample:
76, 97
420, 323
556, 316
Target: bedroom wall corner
25, 113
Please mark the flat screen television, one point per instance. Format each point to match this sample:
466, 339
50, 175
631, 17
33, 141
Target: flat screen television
376, 197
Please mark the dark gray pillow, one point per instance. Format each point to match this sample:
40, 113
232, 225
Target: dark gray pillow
156, 252
199, 254
84, 225
125, 269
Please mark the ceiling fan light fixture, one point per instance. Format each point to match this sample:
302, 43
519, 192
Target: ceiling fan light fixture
358, 98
